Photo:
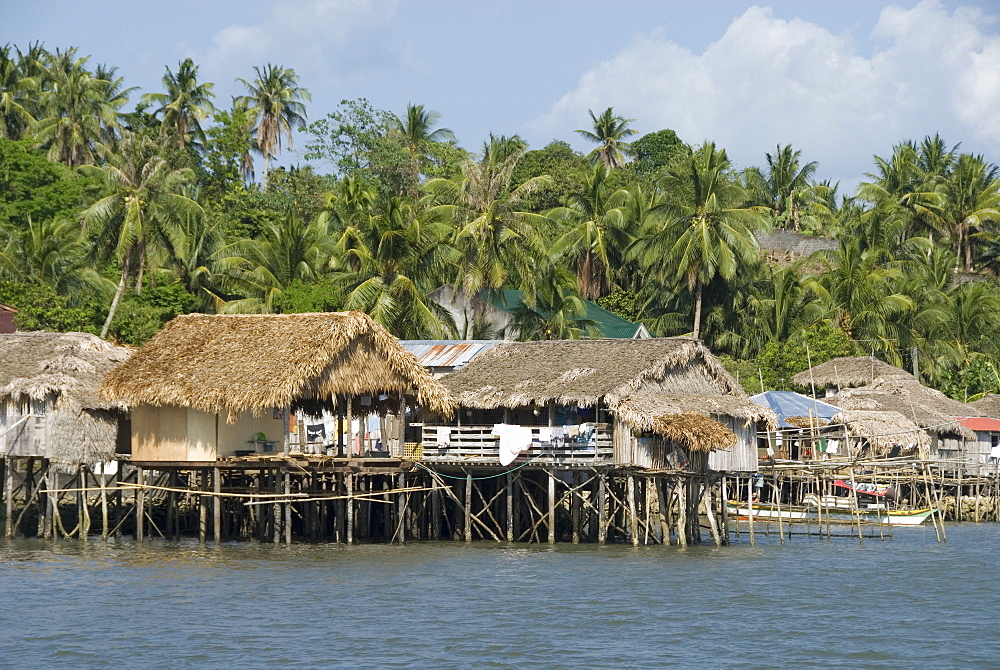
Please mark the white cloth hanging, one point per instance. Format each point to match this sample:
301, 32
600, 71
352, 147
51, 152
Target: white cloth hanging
513, 440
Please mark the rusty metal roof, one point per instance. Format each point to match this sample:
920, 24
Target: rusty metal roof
452, 354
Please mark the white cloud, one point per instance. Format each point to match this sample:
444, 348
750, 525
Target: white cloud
321, 39
771, 80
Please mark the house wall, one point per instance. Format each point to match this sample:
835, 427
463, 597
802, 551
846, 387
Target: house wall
655, 452
31, 437
741, 457
185, 434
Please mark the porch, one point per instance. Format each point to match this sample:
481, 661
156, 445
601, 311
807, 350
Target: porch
572, 445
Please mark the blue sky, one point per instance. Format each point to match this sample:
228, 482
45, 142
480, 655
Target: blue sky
839, 80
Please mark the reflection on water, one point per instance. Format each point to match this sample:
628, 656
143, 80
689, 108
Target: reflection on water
808, 603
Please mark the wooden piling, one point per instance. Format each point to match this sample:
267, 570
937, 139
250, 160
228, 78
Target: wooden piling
140, 506
217, 506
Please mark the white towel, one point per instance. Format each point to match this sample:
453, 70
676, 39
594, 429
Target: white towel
544, 434
443, 436
513, 440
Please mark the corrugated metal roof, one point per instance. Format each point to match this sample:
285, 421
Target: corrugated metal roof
453, 354
789, 403
981, 424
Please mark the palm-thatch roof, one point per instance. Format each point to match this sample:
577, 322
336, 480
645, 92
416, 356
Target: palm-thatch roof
806, 422
639, 410
696, 432
988, 406
238, 363
582, 372
848, 371
66, 368
928, 408
882, 429
37, 364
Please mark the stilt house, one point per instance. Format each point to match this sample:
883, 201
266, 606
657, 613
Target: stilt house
650, 404
49, 402
216, 386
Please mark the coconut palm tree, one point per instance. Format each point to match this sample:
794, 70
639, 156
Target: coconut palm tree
253, 272
145, 200
500, 243
971, 200
16, 89
600, 231
609, 132
786, 187
275, 101
554, 311
710, 233
386, 272
185, 104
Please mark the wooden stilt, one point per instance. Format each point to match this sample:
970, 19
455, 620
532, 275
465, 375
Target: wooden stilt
602, 509
349, 510
724, 494
750, 487
510, 507
682, 535
661, 509
8, 526
104, 503
140, 506
435, 512
217, 506
203, 507
575, 502
711, 520
467, 532
552, 507
401, 509
633, 518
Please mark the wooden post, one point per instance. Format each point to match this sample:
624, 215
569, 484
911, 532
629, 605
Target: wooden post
104, 502
8, 522
633, 519
575, 507
401, 509
468, 507
217, 506
435, 512
203, 507
140, 505
750, 483
602, 509
349, 510
288, 507
661, 509
711, 519
682, 536
84, 518
725, 511
777, 503
552, 506
44, 496
171, 504
510, 507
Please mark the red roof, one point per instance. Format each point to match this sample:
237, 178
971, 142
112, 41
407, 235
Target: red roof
981, 424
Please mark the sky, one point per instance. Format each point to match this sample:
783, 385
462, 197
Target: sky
840, 81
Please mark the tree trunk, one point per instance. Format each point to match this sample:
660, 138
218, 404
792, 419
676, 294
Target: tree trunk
114, 302
697, 308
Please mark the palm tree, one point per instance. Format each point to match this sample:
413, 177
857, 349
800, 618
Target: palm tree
15, 92
253, 272
387, 271
275, 103
609, 131
500, 243
599, 231
787, 187
184, 104
709, 234
417, 131
76, 109
145, 200
971, 199
554, 311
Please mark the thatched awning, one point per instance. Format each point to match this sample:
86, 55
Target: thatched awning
918, 404
850, 371
883, 429
582, 372
639, 410
238, 363
806, 422
70, 366
694, 431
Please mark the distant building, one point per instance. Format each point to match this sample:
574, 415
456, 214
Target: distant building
443, 356
477, 318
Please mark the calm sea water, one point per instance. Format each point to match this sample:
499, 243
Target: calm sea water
905, 602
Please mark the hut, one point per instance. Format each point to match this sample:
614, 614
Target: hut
982, 455
881, 434
49, 402
603, 400
849, 372
216, 386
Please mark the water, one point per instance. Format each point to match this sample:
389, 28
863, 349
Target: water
904, 602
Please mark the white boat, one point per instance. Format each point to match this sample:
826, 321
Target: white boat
837, 513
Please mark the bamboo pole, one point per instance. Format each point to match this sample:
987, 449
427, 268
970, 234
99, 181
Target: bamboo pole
552, 506
217, 506
467, 520
104, 503
140, 506
602, 509
510, 507
724, 494
8, 526
750, 487
682, 537
711, 520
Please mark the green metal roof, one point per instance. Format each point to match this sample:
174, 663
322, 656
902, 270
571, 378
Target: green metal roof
609, 324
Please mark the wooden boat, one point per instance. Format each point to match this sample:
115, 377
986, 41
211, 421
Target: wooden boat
836, 511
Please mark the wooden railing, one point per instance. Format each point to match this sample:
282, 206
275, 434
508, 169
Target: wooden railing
476, 443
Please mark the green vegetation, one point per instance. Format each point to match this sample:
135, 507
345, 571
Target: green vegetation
114, 219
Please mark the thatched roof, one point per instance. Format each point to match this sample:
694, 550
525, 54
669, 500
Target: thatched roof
238, 363
806, 421
988, 406
882, 429
516, 374
37, 364
929, 409
694, 431
848, 371
639, 410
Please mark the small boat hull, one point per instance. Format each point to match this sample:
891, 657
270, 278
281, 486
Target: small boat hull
767, 511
